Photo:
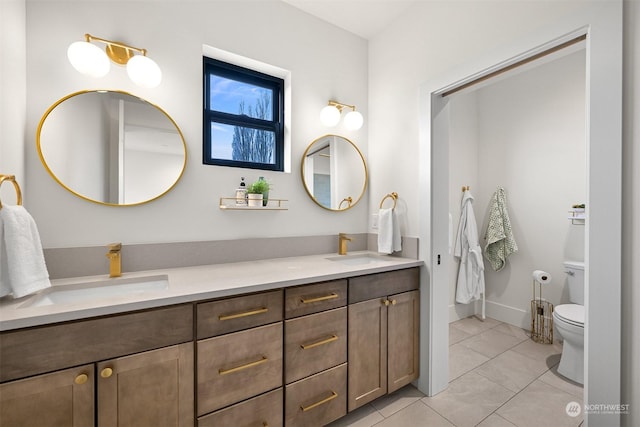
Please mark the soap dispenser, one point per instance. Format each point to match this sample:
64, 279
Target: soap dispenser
241, 193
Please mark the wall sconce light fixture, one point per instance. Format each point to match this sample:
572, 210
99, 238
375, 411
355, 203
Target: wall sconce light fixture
330, 116
89, 59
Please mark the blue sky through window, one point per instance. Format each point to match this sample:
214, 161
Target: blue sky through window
226, 96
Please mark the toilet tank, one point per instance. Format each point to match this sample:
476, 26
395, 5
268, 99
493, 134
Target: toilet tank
575, 278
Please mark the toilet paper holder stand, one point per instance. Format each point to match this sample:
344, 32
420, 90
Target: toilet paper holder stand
541, 317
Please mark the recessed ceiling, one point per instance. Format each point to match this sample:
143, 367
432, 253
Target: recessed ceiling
365, 18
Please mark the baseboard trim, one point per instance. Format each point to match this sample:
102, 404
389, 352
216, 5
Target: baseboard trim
504, 313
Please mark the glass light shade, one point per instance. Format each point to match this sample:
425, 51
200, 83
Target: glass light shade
144, 71
353, 120
330, 116
88, 59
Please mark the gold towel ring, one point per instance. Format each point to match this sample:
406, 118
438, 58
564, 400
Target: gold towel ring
349, 200
393, 196
12, 178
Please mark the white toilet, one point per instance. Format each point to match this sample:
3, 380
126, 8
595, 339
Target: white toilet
569, 322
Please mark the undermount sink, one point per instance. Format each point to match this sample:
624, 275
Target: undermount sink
96, 290
359, 259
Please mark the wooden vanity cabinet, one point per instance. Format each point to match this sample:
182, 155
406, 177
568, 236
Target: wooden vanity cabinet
315, 353
239, 360
137, 370
153, 388
63, 398
383, 334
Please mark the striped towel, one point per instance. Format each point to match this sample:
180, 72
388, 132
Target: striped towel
499, 236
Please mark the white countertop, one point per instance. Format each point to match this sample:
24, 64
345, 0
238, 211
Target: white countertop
196, 283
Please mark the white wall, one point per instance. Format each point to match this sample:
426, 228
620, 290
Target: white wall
325, 62
432, 38
13, 94
529, 139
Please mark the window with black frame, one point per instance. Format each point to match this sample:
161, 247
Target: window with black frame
243, 121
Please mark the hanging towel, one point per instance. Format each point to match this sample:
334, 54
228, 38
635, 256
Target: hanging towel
470, 283
23, 267
499, 236
389, 238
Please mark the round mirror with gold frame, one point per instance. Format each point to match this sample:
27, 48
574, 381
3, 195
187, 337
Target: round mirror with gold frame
111, 147
334, 172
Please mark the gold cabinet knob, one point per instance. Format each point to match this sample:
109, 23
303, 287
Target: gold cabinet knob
385, 301
106, 372
81, 379
393, 302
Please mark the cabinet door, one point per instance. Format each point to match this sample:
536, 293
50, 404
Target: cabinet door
63, 398
367, 352
154, 388
403, 339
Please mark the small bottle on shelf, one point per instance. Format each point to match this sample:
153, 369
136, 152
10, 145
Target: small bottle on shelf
241, 193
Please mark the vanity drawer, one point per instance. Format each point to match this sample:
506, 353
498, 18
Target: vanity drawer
309, 299
237, 366
378, 285
314, 343
238, 313
49, 348
263, 410
317, 400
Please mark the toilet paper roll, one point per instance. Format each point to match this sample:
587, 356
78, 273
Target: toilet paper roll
541, 277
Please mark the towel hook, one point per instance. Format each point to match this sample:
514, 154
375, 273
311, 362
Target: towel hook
12, 178
467, 188
393, 196
349, 201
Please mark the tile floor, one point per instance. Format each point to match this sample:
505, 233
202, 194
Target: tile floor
498, 377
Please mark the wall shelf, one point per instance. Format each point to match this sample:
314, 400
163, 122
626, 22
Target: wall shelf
229, 203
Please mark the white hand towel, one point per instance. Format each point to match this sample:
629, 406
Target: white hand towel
385, 231
5, 287
389, 237
397, 237
26, 269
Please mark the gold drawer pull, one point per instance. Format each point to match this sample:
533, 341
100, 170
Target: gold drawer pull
81, 379
332, 338
106, 372
332, 295
242, 367
243, 314
322, 402
265, 424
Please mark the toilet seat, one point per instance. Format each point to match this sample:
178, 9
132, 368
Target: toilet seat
572, 314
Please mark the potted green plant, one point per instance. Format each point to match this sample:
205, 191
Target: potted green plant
257, 191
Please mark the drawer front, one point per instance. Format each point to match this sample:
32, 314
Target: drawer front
317, 400
235, 314
49, 348
314, 298
378, 285
264, 410
314, 343
237, 366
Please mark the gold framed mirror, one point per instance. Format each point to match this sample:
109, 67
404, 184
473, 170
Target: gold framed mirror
111, 147
334, 172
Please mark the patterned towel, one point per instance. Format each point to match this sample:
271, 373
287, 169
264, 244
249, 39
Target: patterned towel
499, 236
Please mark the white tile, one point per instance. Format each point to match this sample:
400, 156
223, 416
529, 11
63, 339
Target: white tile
552, 377
416, 415
365, 416
463, 359
550, 353
474, 325
541, 405
512, 370
491, 342
495, 420
456, 335
514, 331
469, 399
392, 403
